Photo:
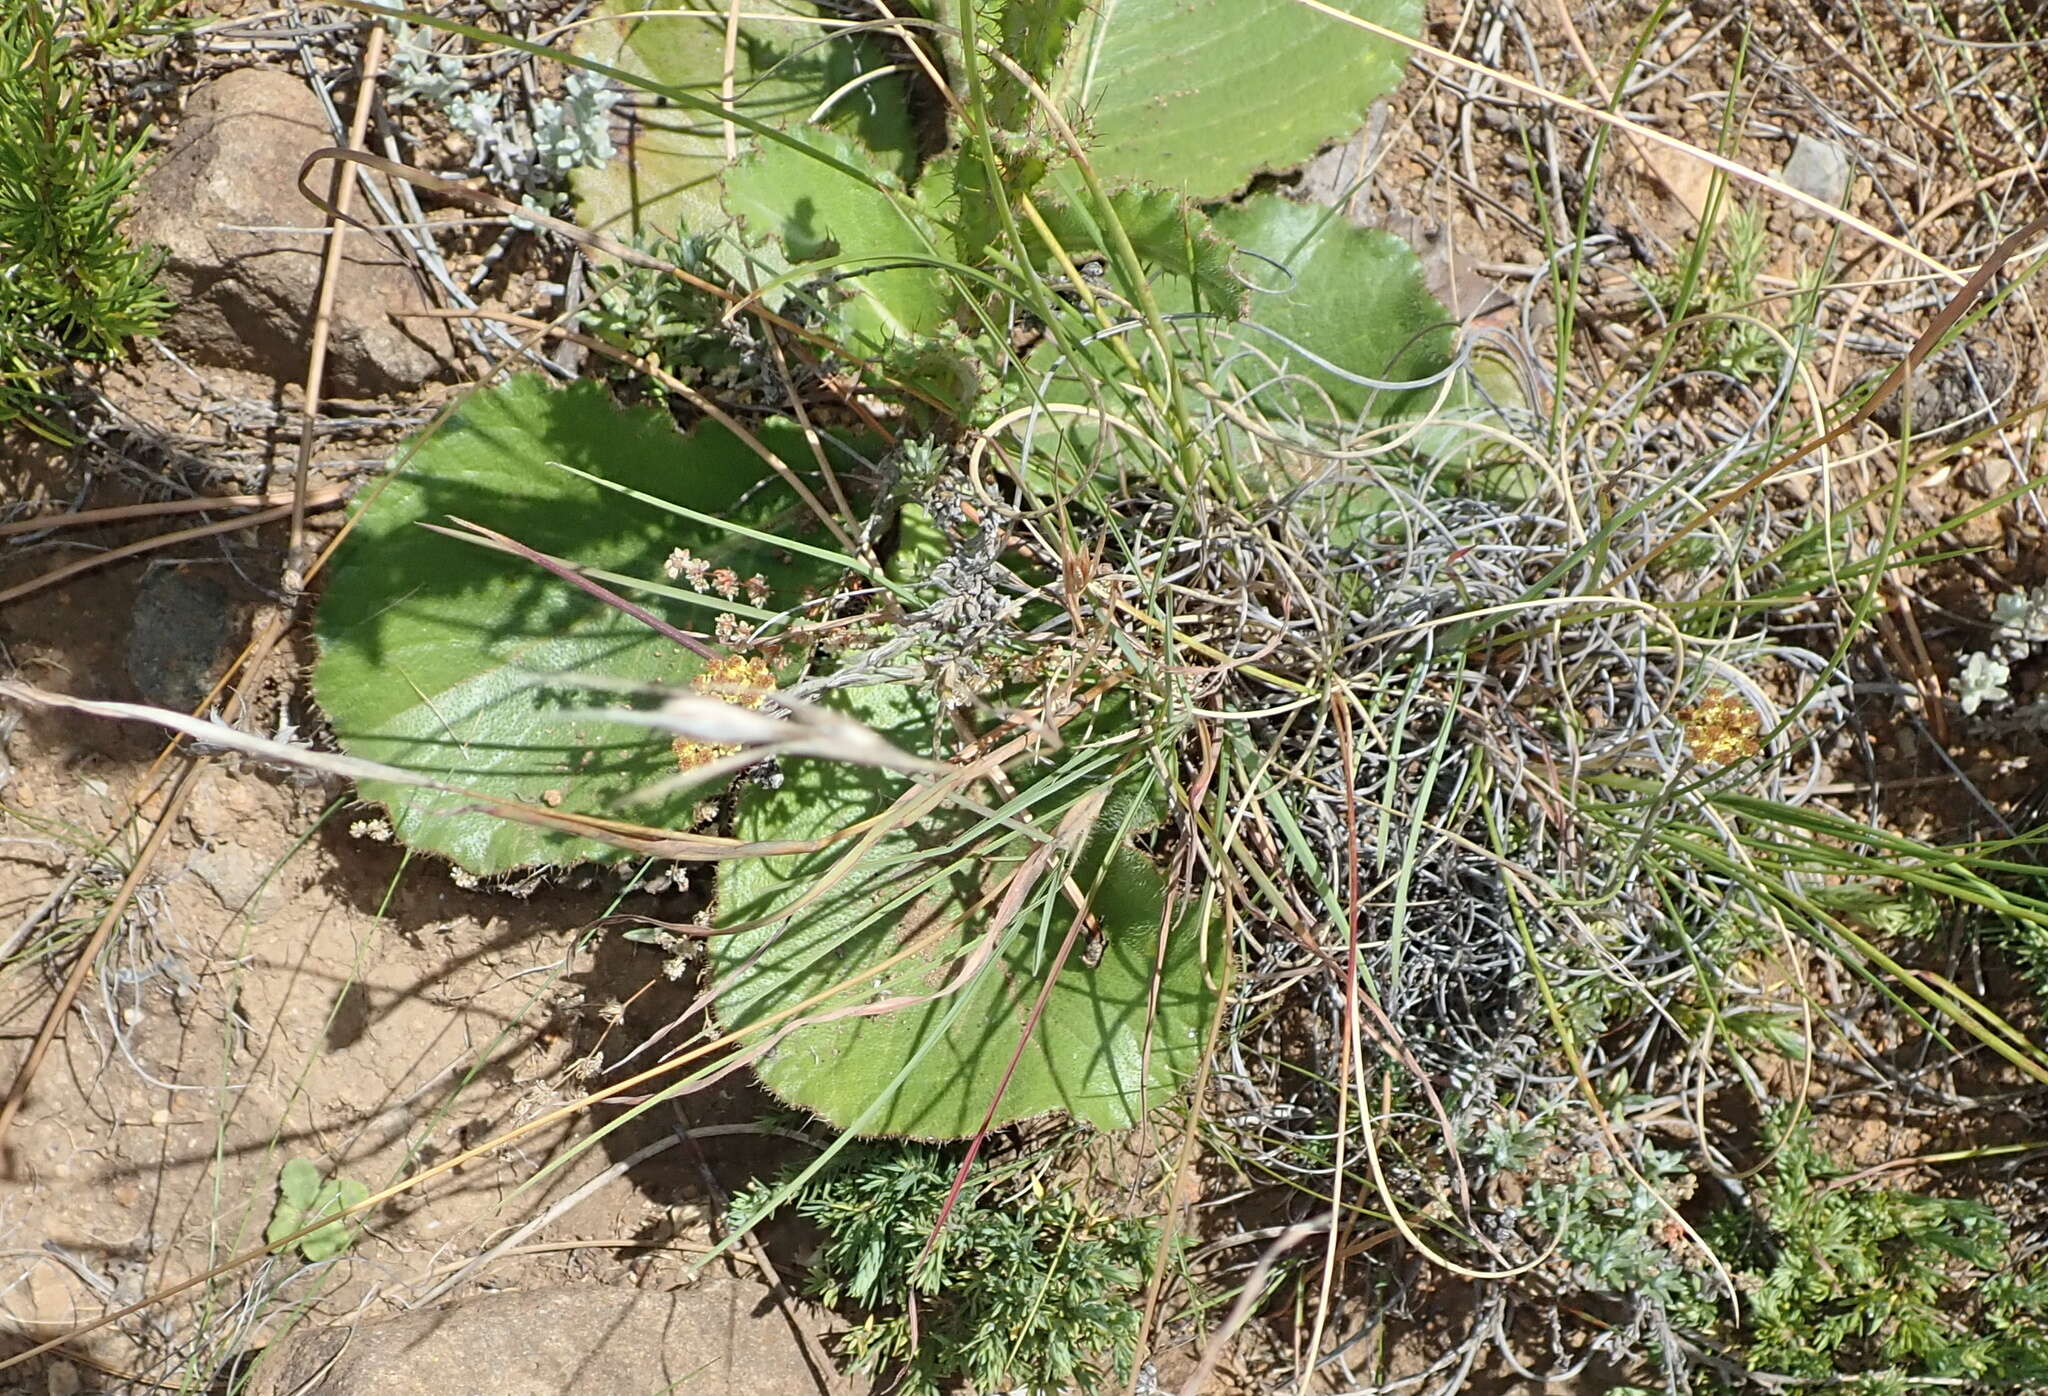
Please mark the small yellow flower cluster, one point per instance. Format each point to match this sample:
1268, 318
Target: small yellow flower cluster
742, 680
1721, 729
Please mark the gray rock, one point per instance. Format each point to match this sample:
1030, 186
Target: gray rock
724, 1337
1990, 475
242, 881
245, 298
177, 640
1957, 392
1819, 168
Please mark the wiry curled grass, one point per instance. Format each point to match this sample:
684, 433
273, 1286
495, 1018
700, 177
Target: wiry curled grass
1519, 837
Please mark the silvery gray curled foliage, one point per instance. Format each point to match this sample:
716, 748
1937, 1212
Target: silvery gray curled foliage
421, 73
532, 151
2019, 628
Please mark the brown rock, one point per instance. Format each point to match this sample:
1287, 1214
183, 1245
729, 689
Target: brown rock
724, 1337
245, 298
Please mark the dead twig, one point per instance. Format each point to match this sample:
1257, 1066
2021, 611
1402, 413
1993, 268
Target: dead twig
324, 500
344, 188
126, 513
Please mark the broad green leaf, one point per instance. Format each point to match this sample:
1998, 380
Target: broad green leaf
298, 1182
443, 657
1032, 33
1328, 304
1351, 297
948, 366
337, 1236
305, 1195
1333, 303
1099, 1052
873, 246
1168, 234
786, 65
1204, 94
920, 545
960, 192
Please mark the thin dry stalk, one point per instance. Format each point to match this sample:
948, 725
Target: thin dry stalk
344, 189
127, 513
322, 500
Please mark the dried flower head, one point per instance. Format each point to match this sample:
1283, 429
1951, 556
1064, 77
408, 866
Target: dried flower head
694, 570
741, 680
1721, 729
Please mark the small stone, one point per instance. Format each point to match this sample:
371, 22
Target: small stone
218, 202
51, 1306
1989, 476
1819, 169
242, 880
159, 1117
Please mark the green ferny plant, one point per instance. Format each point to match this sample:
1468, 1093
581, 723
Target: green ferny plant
1026, 1288
1878, 1287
